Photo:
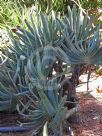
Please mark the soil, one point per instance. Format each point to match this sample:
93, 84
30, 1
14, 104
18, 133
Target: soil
90, 115
90, 120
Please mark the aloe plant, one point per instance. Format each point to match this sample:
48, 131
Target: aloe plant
81, 40
41, 31
28, 43
45, 103
12, 83
90, 53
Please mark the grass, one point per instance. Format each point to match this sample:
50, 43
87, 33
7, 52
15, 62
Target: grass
12, 13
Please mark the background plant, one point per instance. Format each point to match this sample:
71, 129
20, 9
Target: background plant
12, 14
12, 11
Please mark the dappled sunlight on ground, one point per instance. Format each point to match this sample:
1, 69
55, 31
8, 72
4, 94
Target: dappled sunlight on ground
94, 84
90, 123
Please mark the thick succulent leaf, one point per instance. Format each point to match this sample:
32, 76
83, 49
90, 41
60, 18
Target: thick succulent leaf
4, 105
45, 129
46, 103
38, 66
52, 92
81, 25
70, 17
60, 113
48, 60
46, 31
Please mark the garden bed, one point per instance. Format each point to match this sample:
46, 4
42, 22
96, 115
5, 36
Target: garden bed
91, 118
90, 122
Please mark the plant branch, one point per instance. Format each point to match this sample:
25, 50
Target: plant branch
72, 111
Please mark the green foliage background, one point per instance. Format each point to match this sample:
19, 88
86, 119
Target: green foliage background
11, 10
